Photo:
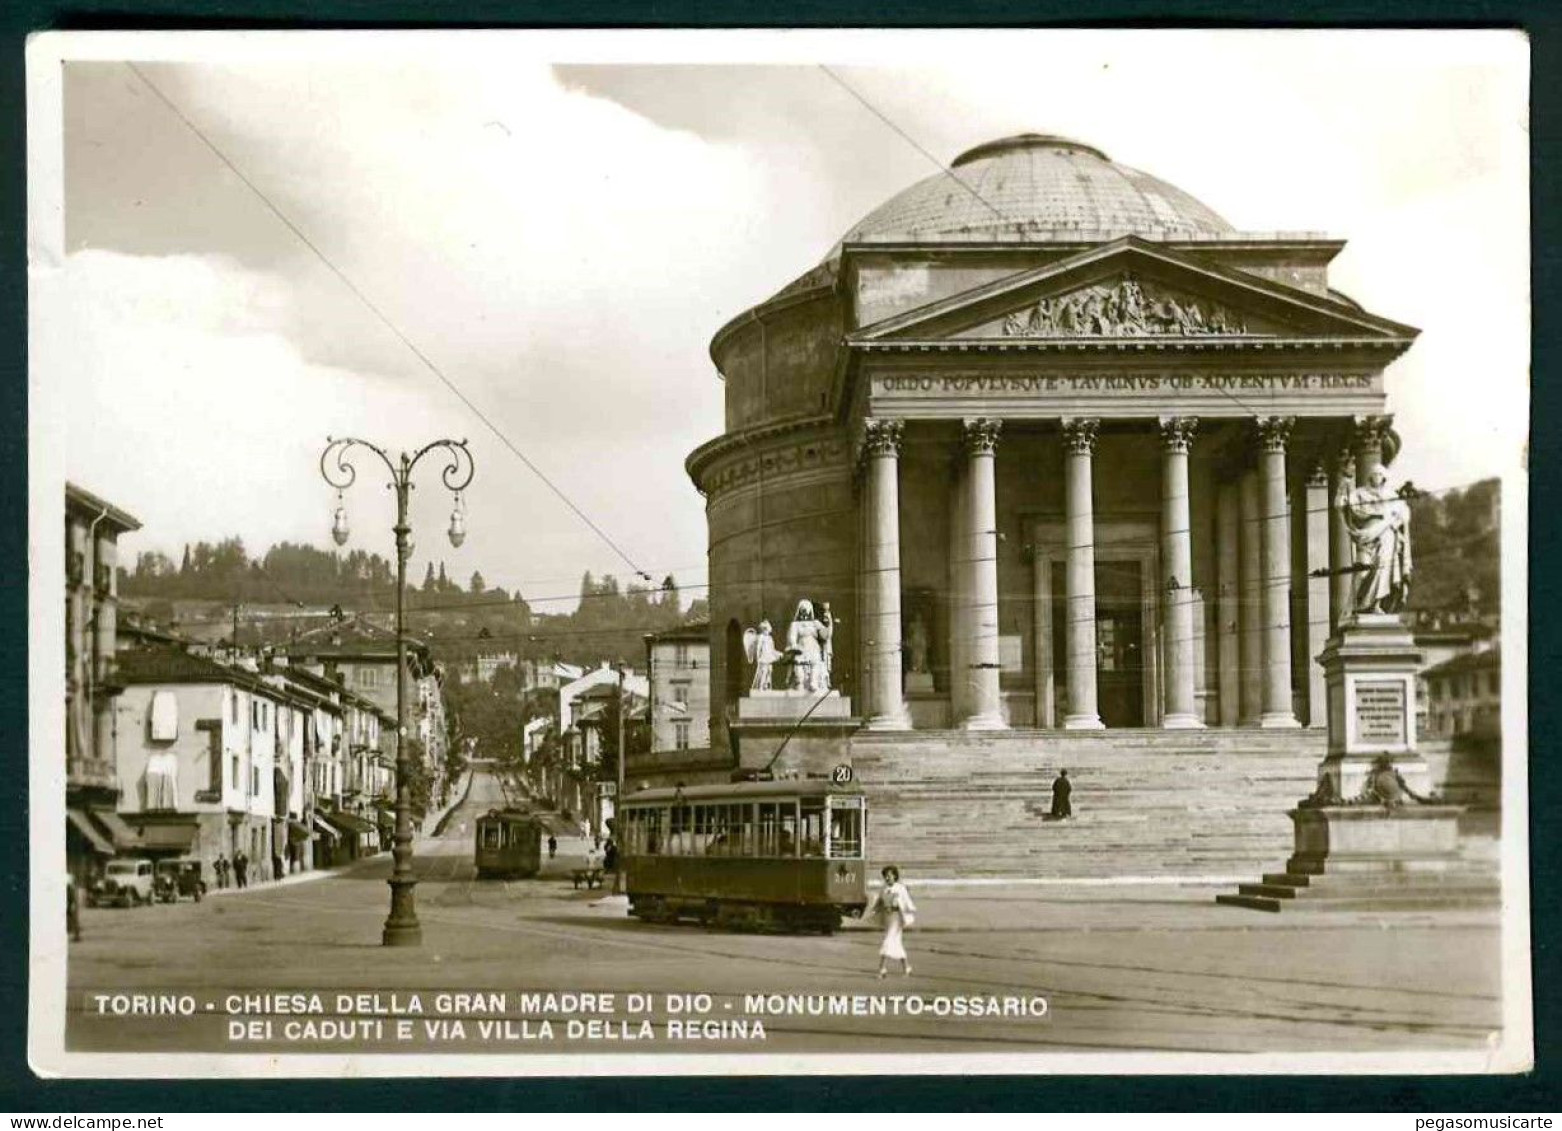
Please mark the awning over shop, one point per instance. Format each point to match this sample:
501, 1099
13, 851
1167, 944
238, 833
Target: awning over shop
168, 838
124, 837
349, 823
83, 825
325, 827
297, 830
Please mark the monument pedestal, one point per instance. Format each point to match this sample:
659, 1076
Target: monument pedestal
792, 732
1369, 673
1363, 841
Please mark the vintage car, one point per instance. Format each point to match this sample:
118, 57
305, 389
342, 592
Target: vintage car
174, 879
127, 882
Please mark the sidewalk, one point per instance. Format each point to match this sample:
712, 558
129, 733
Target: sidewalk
286, 881
458, 798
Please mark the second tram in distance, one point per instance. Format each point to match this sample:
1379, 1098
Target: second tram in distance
509, 843
777, 854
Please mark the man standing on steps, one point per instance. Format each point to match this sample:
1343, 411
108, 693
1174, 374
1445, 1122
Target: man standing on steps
1061, 789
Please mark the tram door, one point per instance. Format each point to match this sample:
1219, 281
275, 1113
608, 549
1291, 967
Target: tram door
1120, 643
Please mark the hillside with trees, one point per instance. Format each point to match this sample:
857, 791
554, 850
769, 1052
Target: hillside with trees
1456, 551
292, 588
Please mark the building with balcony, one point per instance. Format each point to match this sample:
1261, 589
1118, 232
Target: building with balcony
92, 684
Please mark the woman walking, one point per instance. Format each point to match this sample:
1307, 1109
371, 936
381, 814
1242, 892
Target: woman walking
897, 912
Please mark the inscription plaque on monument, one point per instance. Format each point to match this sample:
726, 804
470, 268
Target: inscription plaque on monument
1380, 712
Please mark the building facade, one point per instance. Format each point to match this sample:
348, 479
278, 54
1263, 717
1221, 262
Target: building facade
94, 832
678, 675
1059, 448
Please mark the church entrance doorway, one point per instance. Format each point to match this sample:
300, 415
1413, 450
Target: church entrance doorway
1127, 608
1120, 643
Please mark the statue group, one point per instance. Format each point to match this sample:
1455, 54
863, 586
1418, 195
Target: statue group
1378, 522
1122, 309
808, 649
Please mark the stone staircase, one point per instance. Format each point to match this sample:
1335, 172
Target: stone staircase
1467, 884
1147, 803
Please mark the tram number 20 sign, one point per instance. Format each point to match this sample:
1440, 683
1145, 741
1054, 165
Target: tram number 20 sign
841, 775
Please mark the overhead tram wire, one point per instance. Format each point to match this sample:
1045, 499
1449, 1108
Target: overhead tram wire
386, 322
846, 575
911, 141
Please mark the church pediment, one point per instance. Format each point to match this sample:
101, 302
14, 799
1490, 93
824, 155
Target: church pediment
1132, 289
1124, 307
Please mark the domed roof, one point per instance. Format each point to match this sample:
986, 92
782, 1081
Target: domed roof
1031, 185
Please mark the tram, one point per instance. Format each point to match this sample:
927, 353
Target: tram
785, 855
509, 843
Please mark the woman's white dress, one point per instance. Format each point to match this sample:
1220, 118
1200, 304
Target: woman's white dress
894, 905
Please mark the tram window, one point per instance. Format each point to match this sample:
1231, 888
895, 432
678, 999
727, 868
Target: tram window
491, 836
778, 828
680, 831
845, 832
812, 826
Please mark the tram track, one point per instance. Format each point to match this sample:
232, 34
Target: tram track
468, 903
813, 970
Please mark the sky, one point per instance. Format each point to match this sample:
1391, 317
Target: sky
559, 225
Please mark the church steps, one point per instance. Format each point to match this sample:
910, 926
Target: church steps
1147, 802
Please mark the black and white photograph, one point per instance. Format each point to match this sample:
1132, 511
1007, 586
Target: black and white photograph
682, 553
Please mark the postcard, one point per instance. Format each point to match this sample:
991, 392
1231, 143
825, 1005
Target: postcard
604, 553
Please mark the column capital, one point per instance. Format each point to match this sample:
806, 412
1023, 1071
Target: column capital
1274, 432
1318, 473
881, 437
979, 435
1079, 434
1177, 432
1370, 429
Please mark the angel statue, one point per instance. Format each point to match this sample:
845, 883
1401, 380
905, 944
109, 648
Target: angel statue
808, 643
1378, 522
759, 645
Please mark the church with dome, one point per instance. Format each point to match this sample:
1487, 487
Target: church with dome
1058, 446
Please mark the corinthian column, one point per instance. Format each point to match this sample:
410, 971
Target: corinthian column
1273, 434
1341, 556
881, 454
1079, 445
1316, 524
1177, 562
1250, 612
1369, 434
980, 438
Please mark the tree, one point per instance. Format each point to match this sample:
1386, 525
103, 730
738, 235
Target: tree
428, 578
444, 582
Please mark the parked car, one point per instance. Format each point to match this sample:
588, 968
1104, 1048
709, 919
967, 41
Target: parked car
125, 882
174, 879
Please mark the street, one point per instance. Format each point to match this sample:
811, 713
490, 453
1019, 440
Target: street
1156, 968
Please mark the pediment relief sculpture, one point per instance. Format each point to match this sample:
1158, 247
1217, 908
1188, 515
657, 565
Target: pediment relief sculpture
1126, 308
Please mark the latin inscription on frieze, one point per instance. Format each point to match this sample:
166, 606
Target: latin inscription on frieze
1380, 712
1039, 384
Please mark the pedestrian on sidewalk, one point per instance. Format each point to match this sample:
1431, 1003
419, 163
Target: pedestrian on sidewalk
896, 912
240, 869
1062, 810
553, 846
220, 870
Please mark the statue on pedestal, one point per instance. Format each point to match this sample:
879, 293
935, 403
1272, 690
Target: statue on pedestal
808, 645
759, 645
1378, 522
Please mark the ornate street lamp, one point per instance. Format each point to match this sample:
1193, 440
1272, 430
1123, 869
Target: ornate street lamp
401, 926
